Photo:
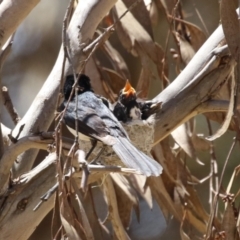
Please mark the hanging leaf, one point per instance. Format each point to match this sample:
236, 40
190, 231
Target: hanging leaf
92, 71
229, 114
114, 80
116, 59
141, 14
184, 140
229, 222
134, 37
230, 25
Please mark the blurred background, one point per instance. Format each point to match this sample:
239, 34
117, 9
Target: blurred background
35, 49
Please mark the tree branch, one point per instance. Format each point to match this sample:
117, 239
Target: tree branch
196, 84
7, 102
83, 24
24, 197
12, 13
12, 152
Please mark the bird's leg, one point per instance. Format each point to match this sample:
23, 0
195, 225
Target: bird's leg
99, 154
94, 144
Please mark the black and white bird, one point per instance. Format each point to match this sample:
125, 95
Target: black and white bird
129, 107
96, 121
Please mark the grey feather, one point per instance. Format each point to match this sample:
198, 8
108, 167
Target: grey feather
134, 158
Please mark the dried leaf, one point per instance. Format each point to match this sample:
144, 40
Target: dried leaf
200, 143
113, 209
141, 14
124, 185
169, 5
56, 221
191, 33
153, 11
114, 80
163, 67
161, 152
116, 59
139, 184
92, 71
229, 115
183, 235
125, 206
235, 172
96, 208
111, 95
163, 198
182, 138
67, 219
84, 219
230, 25
197, 223
238, 223
144, 83
196, 205
127, 198
186, 49
229, 223
222, 94
131, 33
70, 230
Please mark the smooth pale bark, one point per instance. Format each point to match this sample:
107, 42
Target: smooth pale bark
194, 85
12, 13
17, 219
40, 115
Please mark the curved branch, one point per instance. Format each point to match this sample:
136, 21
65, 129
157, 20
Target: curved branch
86, 17
25, 196
195, 84
12, 13
12, 152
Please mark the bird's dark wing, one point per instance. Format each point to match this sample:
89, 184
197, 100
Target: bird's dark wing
89, 123
120, 112
114, 127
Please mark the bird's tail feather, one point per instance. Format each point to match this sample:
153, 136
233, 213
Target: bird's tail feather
134, 158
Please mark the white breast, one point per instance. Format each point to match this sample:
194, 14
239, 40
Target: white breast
135, 113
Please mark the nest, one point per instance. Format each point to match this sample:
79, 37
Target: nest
141, 134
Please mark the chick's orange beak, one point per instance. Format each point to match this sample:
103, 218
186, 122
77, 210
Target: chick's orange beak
128, 90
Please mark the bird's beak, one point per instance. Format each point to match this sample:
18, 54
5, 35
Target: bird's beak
128, 90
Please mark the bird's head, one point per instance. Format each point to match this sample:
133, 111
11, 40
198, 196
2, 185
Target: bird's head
127, 94
83, 85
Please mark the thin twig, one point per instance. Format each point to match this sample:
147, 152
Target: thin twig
214, 166
214, 206
7, 49
7, 102
15, 139
3, 55
90, 48
200, 17
68, 55
113, 209
90, 168
46, 196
